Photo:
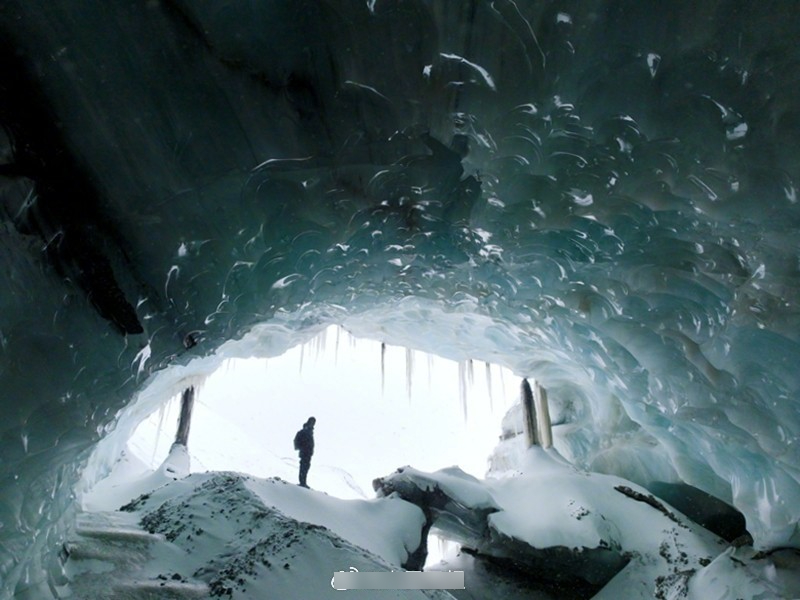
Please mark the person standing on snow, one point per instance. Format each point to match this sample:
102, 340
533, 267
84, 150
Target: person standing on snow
304, 443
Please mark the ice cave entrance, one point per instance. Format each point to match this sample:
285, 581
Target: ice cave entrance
378, 407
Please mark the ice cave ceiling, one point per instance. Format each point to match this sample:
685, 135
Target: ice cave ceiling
598, 194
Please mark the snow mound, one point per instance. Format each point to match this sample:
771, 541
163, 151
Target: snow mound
236, 537
556, 521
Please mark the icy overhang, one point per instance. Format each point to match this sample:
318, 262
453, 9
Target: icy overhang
606, 201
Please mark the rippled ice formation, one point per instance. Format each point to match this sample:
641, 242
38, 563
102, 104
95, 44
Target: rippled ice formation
598, 195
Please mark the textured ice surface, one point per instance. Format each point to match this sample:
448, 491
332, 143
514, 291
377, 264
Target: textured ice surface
601, 196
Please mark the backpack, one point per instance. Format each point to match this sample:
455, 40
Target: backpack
297, 440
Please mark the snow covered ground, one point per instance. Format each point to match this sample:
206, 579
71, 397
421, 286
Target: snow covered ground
225, 534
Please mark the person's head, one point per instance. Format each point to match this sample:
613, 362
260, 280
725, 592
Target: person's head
310, 422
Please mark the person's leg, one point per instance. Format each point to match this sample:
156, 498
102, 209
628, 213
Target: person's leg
305, 464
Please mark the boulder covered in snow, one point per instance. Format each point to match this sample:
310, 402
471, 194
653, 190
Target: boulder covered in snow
559, 523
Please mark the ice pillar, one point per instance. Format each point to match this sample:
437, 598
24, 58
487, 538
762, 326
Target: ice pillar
187, 403
529, 411
538, 429
542, 413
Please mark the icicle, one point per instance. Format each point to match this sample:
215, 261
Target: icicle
321, 344
383, 367
409, 371
314, 346
489, 385
430, 369
302, 352
470, 383
462, 387
336, 346
161, 415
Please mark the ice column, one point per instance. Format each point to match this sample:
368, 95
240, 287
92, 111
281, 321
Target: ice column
538, 428
543, 415
529, 410
187, 403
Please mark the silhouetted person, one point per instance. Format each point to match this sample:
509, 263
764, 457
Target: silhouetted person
304, 444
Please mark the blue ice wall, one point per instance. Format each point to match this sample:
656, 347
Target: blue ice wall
600, 195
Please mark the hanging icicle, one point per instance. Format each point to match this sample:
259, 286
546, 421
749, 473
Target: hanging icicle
162, 410
430, 369
409, 371
383, 367
318, 343
489, 385
336, 346
302, 353
462, 387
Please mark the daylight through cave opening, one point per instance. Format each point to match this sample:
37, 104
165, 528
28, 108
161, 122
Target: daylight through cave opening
378, 407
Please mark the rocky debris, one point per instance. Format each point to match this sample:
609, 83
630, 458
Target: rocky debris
704, 509
135, 504
579, 512
675, 586
557, 564
649, 499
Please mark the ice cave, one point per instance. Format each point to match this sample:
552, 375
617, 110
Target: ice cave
598, 195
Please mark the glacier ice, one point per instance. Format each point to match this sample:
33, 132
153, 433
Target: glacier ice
600, 195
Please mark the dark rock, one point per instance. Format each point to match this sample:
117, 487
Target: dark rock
704, 509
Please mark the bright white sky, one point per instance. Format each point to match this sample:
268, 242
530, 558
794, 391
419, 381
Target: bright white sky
247, 413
